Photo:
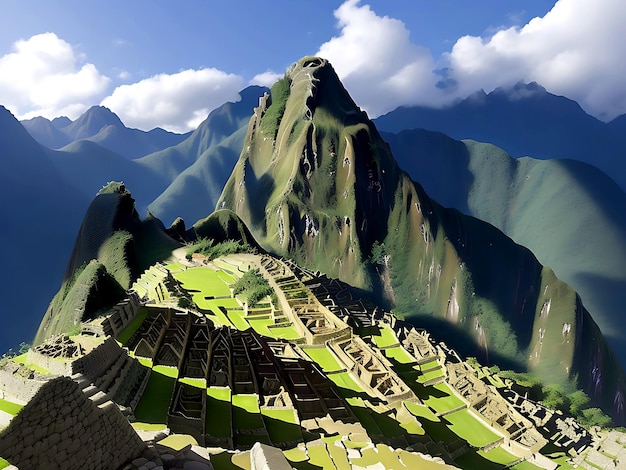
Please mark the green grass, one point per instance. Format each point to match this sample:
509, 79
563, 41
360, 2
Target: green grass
261, 326
282, 425
525, 466
387, 337
168, 371
285, 332
249, 402
433, 374
155, 401
237, 318
325, 358
218, 412
135, 323
345, 380
4, 463
499, 455
10, 407
205, 280
468, 427
440, 398
420, 411
399, 354
21, 359
198, 383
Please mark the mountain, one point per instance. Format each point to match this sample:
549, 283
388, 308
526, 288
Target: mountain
197, 168
113, 247
90, 166
40, 211
98, 124
524, 120
316, 183
570, 214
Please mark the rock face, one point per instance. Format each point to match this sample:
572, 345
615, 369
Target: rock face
61, 428
316, 183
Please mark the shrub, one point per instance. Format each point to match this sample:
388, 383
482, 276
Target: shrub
206, 247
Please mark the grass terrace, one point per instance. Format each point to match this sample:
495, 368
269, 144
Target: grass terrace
440, 398
467, 426
10, 407
218, 412
386, 338
155, 401
325, 358
133, 326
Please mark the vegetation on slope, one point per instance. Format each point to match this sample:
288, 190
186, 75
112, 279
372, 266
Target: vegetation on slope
207, 247
253, 286
328, 194
91, 290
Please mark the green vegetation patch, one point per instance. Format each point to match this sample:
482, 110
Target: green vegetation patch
207, 247
467, 426
253, 286
10, 407
133, 326
282, 425
386, 338
155, 401
22, 359
499, 455
284, 332
205, 280
280, 92
440, 398
525, 465
344, 380
4, 463
218, 412
168, 371
399, 354
420, 411
325, 358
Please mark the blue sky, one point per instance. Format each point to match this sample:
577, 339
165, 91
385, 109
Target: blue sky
165, 63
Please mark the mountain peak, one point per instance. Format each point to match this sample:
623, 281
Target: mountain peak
91, 122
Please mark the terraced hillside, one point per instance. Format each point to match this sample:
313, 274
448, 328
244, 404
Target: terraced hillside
311, 370
316, 183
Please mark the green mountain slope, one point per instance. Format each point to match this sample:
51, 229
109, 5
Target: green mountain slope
316, 183
568, 213
113, 247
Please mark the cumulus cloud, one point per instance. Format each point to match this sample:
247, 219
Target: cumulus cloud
575, 50
377, 62
177, 102
44, 76
266, 78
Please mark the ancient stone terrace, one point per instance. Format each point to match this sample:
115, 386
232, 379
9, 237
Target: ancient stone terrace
335, 296
317, 323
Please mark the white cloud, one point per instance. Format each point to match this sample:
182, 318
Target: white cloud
176, 102
43, 77
377, 62
576, 50
266, 78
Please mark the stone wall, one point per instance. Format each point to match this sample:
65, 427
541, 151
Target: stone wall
96, 363
58, 366
16, 385
61, 428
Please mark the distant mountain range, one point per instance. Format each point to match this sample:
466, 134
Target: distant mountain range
568, 213
524, 120
98, 124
